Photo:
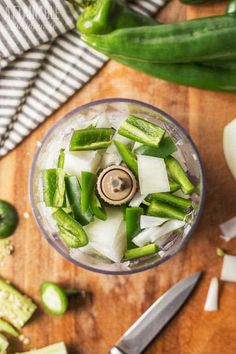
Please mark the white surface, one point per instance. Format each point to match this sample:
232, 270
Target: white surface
229, 146
147, 221
78, 161
137, 199
228, 229
228, 271
211, 303
153, 176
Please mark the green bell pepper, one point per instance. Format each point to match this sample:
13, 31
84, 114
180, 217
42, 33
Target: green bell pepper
132, 220
104, 16
8, 219
141, 130
166, 148
177, 173
163, 210
61, 159
174, 186
141, 252
88, 182
171, 199
73, 192
91, 139
127, 156
72, 226
8, 328
97, 207
54, 187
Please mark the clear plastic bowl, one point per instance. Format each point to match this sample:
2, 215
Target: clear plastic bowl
117, 109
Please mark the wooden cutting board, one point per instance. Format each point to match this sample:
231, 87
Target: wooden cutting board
93, 325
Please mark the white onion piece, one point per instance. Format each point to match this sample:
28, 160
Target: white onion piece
180, 194
144, 237
211, 303
137, 145
150, 221
108, 237
113, 149
228, 271
229, 146
102, 121
137, 199
153, 176
168, 227
228, 229
78, 161
110, 159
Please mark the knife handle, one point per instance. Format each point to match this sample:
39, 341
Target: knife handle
115, 350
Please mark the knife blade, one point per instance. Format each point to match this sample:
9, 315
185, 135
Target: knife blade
155, 318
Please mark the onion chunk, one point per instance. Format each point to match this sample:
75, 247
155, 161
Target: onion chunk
228, 229
228, 271
211, 303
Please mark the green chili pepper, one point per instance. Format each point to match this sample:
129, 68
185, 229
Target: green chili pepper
7, 328
54, 298
91, 139
177, 173
141, 130
140, 252
73, 192
104, 16
88, 182
127, 156
54, 187
132, 219
166, 148
66, 222
97, 207
163, 210
174, 186
8, 219
61, 159
171, 199
188, 41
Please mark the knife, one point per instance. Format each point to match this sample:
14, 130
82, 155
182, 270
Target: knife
155, 318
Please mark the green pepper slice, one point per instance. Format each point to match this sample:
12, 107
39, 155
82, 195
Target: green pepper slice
88, 182
141, 130
141, 252
97, 208
163, 210
66, 222
54, 298
166, 148
61, 159
177, 173
91, 139
127, 156
174, 186
9, 329
132, 220
54, 187
73, 192
171, 199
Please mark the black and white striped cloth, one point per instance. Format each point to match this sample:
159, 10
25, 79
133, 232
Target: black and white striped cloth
42, 62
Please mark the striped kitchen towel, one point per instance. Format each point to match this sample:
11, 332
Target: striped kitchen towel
42, 62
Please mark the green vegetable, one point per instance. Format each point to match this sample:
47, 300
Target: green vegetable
141, 130
54, 298
73, 192
97, 207
61, 159
104, 16
69, 238
58, 348
231, 7
127, 156
69, 224
132, 220
174, 186
194, 2
54, 187
140, 252
163, 210
207, 77
8, 219
91, 139
88, 182
171, 199
7, 328
3, 344
188, 41
166, 148
220, 252
177, 173
16, 308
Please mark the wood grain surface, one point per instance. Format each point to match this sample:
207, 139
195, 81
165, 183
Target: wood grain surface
93, 325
